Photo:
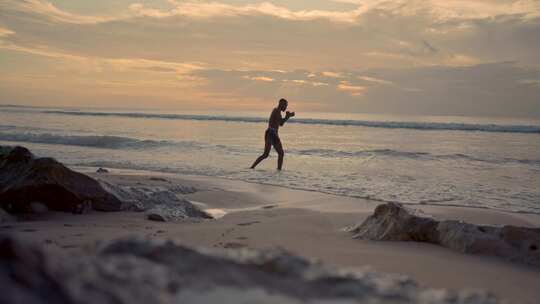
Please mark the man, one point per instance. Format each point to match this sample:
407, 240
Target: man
271, 136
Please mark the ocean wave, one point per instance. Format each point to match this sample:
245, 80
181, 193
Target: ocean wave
120, 142
535, 129
95, 141
374, 153
361, 153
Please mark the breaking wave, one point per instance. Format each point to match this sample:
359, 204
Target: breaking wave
361, 123
96, 141
120, 142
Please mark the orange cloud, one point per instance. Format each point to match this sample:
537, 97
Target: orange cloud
260, 78
351, 89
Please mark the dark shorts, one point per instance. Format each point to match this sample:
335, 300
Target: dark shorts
271, 136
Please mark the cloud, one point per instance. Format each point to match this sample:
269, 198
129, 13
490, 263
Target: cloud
351, 89
383, 33
530, 81
118, 63
498, 89
445, 10
332, 74
374, 80
4, 32
46, 8
216, 9
297, 81
495, 89
440, 10
190, 9
260, 78
159, 69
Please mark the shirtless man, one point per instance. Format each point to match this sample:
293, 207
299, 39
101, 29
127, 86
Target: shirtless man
271, 137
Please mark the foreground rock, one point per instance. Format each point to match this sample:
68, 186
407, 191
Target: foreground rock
25, 179
394, 222
138, 271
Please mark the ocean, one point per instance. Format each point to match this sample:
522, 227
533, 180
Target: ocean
457, 161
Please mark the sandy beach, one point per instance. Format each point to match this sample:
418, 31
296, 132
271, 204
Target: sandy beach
309, 224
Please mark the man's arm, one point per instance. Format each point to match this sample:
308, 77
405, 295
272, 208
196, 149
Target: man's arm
283, 119
287, 116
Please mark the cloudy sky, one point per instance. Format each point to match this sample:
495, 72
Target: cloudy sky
426, 57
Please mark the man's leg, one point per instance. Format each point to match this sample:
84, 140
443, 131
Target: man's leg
279, 150
267, 146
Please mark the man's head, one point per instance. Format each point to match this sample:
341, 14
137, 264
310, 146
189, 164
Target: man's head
283, 104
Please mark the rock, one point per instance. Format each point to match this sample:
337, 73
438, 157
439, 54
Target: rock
37, 207
158, 179
394, 222
181, 189
6, 217
159, 203
156, 216
102, 170
168, 207
83, 208
25, 179
518, 244
142, 271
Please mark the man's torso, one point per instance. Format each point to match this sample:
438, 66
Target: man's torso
275, 120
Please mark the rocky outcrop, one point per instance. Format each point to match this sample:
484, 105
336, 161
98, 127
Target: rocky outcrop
394, 222
25, 179
140, 271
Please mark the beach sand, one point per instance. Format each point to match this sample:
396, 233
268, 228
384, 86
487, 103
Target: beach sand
310, 224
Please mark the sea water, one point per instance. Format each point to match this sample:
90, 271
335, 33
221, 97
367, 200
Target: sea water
463, 161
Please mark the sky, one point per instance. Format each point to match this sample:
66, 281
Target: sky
414, 57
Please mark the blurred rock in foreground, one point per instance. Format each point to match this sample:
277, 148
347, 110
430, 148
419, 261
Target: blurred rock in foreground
141, 271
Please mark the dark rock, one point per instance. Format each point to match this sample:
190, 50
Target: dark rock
183, 189
158, 179
141, 271
102, 170
155, 216
37, 207
394, 222
83, 207
6, 217
25, 179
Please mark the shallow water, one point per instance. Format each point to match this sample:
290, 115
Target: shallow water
480, 162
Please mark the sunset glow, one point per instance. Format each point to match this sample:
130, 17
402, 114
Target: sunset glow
403, 57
